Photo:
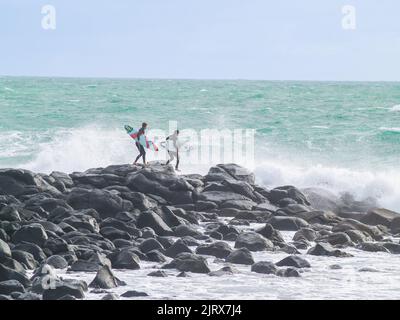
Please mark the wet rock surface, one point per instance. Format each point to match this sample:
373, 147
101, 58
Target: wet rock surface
113, 220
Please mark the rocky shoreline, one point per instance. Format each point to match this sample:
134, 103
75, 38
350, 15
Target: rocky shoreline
110, 219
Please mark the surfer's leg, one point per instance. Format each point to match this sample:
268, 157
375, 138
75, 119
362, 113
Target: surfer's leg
171, 157
143, 152
177, 161
140, 152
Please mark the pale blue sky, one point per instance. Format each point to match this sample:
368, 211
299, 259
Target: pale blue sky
252, 39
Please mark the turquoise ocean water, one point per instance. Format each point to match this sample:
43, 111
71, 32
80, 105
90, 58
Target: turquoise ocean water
341, 136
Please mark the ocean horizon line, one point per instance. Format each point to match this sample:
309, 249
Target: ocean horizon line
195, 79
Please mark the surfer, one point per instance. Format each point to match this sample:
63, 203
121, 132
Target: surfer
139, 146
172, 153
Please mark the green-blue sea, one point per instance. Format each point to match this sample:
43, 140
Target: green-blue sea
337, 135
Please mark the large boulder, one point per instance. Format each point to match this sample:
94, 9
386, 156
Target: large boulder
379, 216
188, 262
287, 223
106, 203
325, 249
105, 279
33, 233
25, 258
217, 249
240, 256
124, 259
219, 197
82, 221
253, 241
7, 273
294, 261
154, 221
10, 213
62, 288
228, 172
19, 182
177, 248
9, 286
5, 251
270, 233
351, 224
321, 199
265, 267
287, 192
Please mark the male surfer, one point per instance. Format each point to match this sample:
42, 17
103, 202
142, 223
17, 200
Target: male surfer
172, 154
142, 151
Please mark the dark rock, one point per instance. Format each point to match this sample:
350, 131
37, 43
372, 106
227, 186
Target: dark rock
149, 245
217, 249
288, 273
105, 279
392, 247
294, 261
321, 199
124, 259
19, 182
188, 262
224, 271
177, 248
110, 296
61, 289
84, 266
337, 238
372, 247
106, 203
380, 216
270, 233
9, 286
154, 221
350, 224
305, 234
205, 206
216, 235
219, 197
155, 256
240, 256
33, 249
82, 222
9, 213
133, 293
5, 251
7, 273
287, 223
277, 194
253, 241
325, 249
158, 273
25, 258
183, 274
57, 262
265, 267
185, 230
112, 233
33, 233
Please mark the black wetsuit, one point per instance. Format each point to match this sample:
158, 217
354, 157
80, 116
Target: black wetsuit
142, 151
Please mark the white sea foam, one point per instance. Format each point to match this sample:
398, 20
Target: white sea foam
382, 186
395, 108
89, 147
390, 129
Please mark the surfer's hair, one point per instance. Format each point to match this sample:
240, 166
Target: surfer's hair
177, 131
144, 124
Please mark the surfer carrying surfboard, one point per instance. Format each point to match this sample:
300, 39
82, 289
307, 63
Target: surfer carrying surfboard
173, 138
139, 146
141, 141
